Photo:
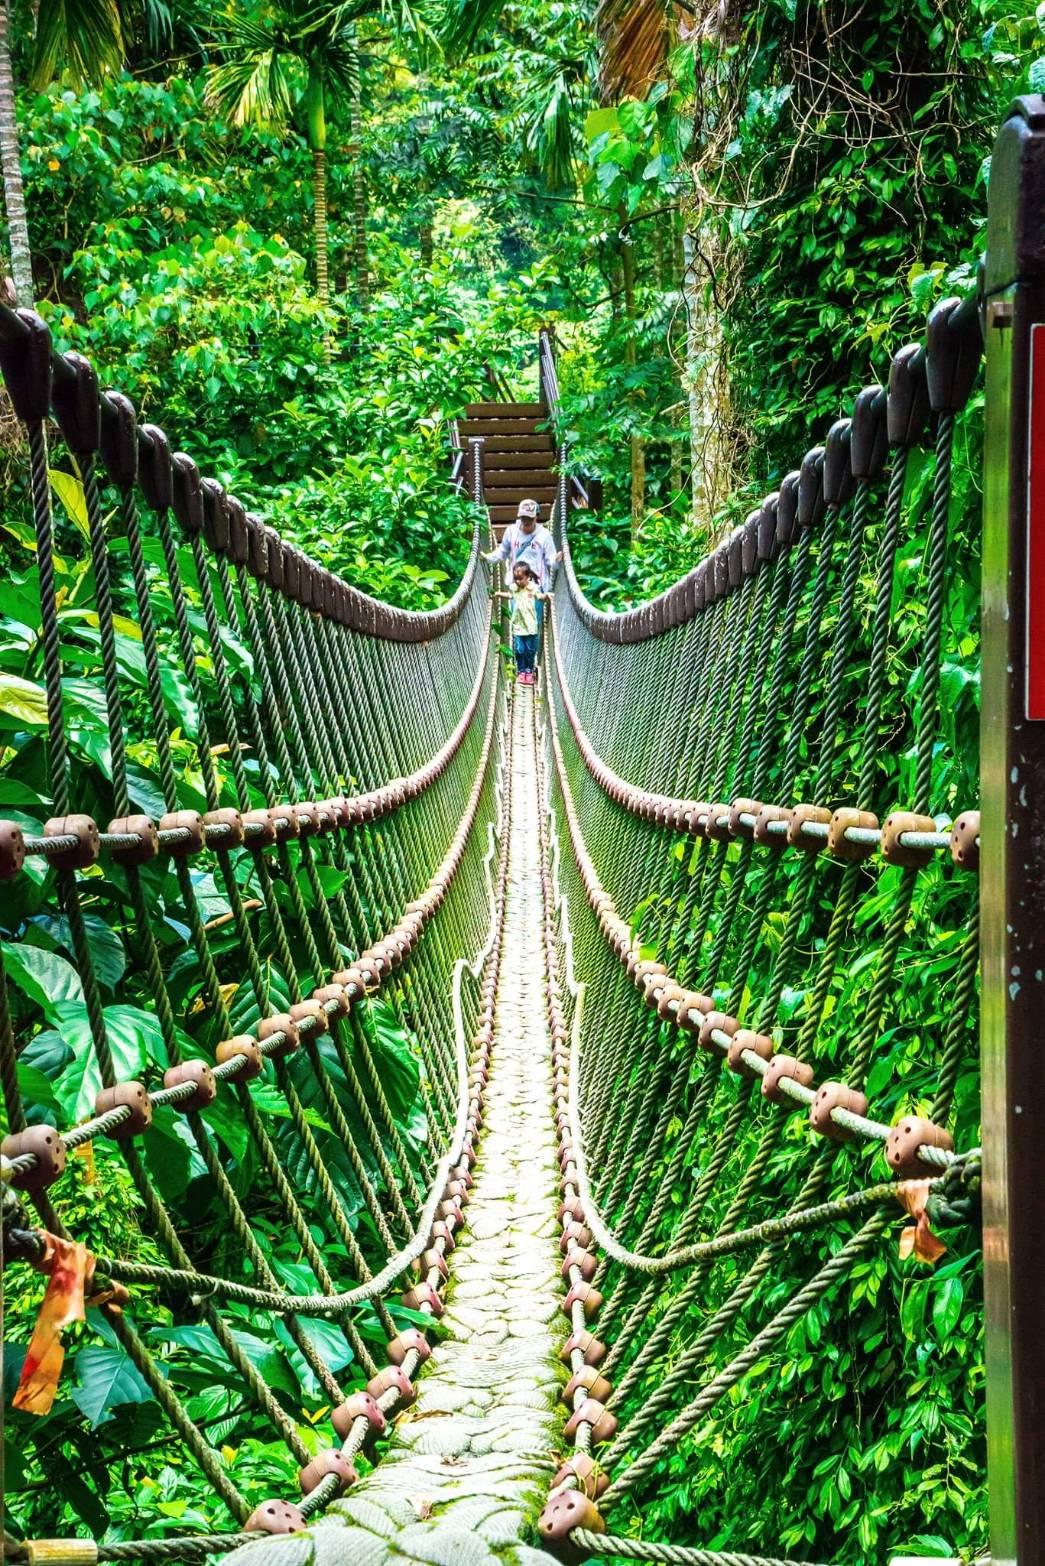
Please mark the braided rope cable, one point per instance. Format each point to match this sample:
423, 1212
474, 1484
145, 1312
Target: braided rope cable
681, 815
654, 981
833, 1271
669, 1554
798, 1221
331, 1303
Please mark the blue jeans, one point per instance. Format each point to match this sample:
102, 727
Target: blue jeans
525, 653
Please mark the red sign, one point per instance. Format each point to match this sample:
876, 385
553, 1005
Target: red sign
1035, 650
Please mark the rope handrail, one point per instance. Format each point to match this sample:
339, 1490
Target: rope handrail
775, 825
695, 1013
372, 713
797, 505
361, 981
763, 675
42, 380
207, 1285
286, 819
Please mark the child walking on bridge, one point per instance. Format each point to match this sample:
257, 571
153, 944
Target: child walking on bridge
523, 621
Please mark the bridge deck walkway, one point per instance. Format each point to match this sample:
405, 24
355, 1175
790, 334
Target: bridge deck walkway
470, 1463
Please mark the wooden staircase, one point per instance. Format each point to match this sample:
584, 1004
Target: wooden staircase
518, 457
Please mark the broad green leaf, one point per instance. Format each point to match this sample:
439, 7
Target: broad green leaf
105, 1379
15, 793
396, 1063
245, 1014
173, 1158
23, 705
69, 492
36, 1091
177, 693
107, 954
598, 122
135, 1042
145, 791
269, 1362
210, 895
46, 977
48, 1053
947, 1307
225, 1119
331, 880
329, 1343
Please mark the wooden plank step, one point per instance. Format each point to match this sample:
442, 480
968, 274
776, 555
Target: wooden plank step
495, 461
507, 514
498, 427
505, 497
519, 478
506, 410
517, 443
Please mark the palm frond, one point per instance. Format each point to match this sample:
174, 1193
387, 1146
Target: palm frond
341, 65
83, 37
253, 88
159, 25
342, 74
465, 22
634, 39
549, 131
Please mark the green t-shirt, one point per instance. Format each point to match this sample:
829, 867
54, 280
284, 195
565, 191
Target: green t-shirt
524, 611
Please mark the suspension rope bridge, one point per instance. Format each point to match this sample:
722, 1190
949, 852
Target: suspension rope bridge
560, 1024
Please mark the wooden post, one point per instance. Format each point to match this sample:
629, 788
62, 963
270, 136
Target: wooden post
1012, 887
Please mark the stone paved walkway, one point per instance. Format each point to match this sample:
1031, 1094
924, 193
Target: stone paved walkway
469, 1464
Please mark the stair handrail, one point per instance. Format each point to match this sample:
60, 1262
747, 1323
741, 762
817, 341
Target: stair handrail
498, 381
458, 457
584, 488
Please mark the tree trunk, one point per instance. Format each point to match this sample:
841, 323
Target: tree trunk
14, 202
319, 190
675, 462
706, 386
359, 201
638, 445
638, 484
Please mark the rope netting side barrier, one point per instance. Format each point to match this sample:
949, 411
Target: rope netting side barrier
763, 842
254, 851
290, 826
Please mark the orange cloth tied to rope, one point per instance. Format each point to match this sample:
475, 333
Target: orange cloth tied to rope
917, 1239
71, 1267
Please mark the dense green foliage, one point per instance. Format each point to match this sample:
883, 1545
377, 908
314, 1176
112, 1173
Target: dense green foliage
834, 198
102, 1393
875, 1398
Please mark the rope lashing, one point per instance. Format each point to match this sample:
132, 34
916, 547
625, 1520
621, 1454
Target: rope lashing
714, 812
714, 858
399, 808
767, 823
209, 1287
656, 986
286, 819
363, 979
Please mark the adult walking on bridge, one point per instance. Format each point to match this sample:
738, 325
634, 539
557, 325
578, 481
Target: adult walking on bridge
527, 541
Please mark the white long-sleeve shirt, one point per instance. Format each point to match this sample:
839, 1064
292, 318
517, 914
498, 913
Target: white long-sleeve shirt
536, 549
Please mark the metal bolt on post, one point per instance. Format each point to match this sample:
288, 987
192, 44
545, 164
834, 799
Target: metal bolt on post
476, 443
